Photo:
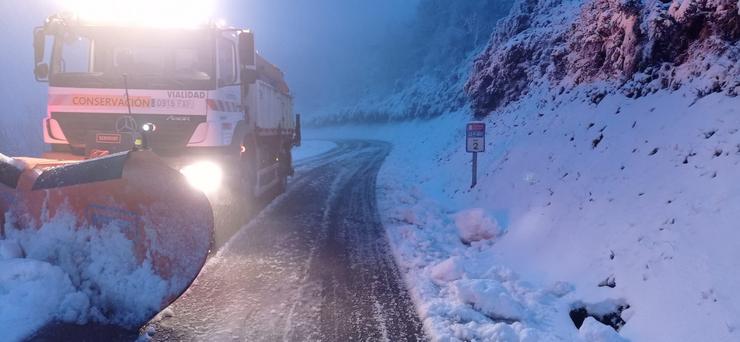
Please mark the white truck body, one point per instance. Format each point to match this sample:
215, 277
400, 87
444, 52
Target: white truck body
206, 90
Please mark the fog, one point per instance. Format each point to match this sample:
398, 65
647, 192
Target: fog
327, 48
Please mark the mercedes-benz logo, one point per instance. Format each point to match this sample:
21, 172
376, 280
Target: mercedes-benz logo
126, 124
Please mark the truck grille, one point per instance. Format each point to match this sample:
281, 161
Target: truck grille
173, 131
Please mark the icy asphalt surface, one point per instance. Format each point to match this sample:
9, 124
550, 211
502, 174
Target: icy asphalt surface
313, 266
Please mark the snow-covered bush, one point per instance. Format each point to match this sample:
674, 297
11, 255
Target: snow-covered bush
641, 45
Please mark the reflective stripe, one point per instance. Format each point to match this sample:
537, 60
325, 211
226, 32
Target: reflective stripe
225, 106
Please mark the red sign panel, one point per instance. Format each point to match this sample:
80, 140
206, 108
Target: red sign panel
476, 137
102, 138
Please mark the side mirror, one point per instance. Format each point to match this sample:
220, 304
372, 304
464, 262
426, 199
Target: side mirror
247, 50
41, 72
297, 136
39, 44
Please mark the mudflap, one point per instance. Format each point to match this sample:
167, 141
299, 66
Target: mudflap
133, 195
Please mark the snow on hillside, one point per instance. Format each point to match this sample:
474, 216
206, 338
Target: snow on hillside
621, 210
638, 46
605, 204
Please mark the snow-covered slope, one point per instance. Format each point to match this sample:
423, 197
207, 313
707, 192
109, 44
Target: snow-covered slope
607, 196
625, 205
637, 46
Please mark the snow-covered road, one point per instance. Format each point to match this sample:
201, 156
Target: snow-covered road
315, 265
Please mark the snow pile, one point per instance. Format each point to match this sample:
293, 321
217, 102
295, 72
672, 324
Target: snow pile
60, 273
593, 331
10, 250
33, 293
473, 225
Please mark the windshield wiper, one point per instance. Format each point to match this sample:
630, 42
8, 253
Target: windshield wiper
85, 79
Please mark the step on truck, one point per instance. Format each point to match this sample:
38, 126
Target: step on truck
145, 127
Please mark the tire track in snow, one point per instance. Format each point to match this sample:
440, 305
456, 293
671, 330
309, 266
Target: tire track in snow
315, 265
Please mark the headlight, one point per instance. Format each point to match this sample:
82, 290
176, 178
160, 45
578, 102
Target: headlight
204, 176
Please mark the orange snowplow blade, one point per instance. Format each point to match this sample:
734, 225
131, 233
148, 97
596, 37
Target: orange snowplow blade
132, 194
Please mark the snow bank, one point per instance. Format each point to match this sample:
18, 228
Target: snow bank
474, 225
33, 293
60, 273
626, 201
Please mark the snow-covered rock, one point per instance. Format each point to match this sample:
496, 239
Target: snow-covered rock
491, 298
475, 225
448, 270
594, 331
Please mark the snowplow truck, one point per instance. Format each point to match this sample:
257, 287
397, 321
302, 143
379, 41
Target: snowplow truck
145, 126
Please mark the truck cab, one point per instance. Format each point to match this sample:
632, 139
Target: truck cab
207, 92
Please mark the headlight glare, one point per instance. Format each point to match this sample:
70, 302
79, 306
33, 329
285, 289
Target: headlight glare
205, 176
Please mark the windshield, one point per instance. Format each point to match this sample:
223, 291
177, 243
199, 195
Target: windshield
150, 59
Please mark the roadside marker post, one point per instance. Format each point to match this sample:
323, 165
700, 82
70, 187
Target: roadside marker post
475, 141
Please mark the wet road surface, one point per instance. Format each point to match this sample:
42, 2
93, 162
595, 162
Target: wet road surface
313, 266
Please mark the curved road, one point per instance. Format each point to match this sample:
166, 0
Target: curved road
313, 266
